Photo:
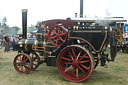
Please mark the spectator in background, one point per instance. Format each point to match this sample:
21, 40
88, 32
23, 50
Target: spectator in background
16, 41
6, 41
126, 37
13, 42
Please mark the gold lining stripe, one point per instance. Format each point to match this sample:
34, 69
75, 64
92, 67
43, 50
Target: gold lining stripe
52, 56
89, 42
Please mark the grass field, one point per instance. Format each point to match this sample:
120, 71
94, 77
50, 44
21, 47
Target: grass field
115, 74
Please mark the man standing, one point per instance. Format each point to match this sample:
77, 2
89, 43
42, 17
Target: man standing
6, 41
13, 42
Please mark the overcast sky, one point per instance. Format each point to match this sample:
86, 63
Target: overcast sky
39, 10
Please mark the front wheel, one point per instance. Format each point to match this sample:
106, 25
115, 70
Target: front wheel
22, 63
75, 63
35, 60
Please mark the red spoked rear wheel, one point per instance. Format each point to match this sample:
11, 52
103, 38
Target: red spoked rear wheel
75, 63
22, 63
57, 35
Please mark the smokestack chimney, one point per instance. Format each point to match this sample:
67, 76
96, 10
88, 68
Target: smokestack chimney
75, 15
81, 8
24, 23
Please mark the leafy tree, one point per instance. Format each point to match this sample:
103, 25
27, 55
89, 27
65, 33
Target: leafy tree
4, 21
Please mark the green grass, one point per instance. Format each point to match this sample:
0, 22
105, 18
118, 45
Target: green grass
115, 74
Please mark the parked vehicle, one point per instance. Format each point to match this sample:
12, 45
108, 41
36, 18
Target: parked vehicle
76, 49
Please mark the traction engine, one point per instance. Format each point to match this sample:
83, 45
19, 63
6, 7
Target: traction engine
75, 49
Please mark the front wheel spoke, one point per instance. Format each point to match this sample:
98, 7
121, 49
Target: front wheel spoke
25, 60
66, 59
23, 57
34, 64
84, 66
18, 59
34, 58
85, 61
26, 67
21, 68
67, 68
81, 69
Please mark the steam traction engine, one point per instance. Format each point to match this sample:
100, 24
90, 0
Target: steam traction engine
76, 49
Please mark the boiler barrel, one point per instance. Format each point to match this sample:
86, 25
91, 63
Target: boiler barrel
25, 44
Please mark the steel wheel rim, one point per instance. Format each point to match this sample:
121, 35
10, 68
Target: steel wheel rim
57, 35
80, 70
22, 58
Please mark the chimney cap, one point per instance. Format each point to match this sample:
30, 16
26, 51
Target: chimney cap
24, 10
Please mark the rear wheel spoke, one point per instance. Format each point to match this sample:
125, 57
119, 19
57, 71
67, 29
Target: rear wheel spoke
77, 72
73, 53
79, 55
83, 56
70, 55
81, 69
68, 63
84, 66
85, 61
68, 68
73, 70
66, 59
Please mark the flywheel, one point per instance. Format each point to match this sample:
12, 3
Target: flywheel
57, 35
118, 34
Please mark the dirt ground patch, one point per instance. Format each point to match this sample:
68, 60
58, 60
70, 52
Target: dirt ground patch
115, 74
